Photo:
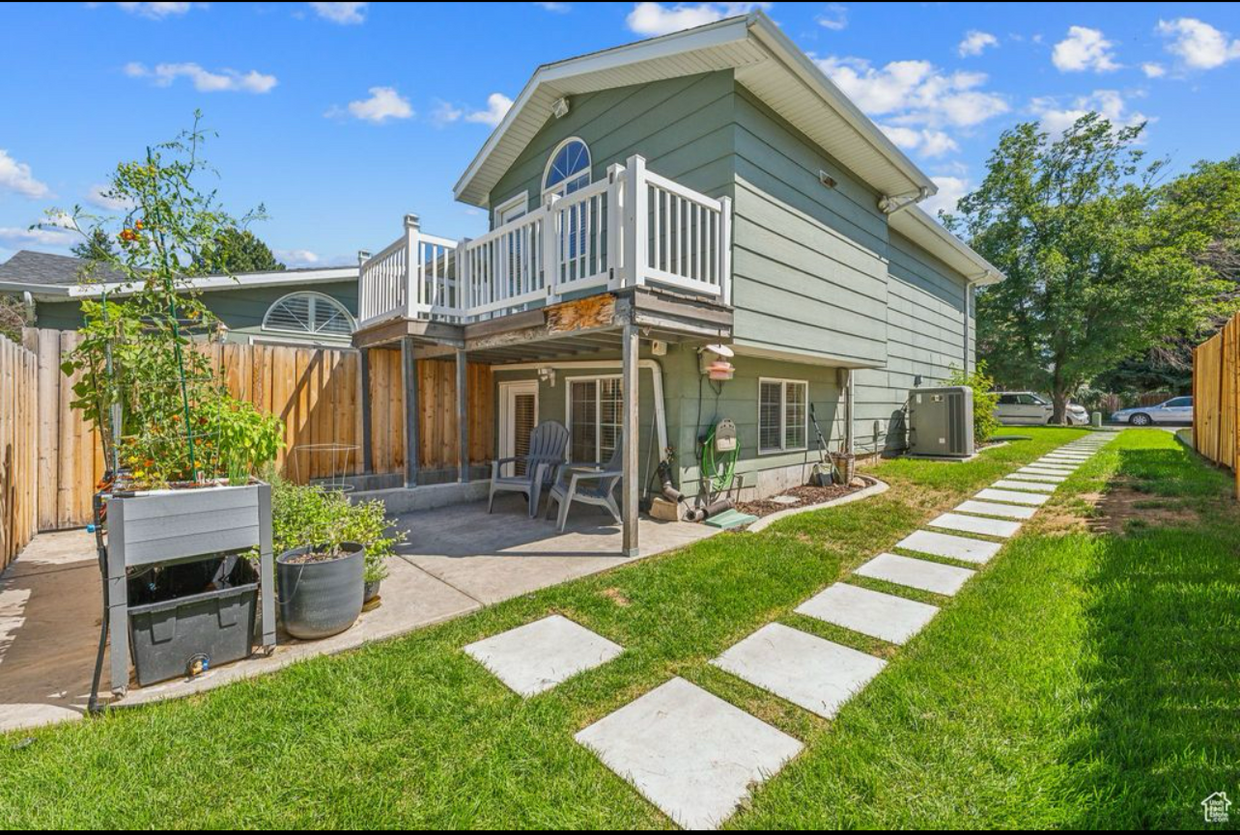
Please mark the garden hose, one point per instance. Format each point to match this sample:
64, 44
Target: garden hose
720, 473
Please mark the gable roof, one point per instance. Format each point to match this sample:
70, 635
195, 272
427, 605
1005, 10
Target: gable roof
769, 64
763, 59
51, 277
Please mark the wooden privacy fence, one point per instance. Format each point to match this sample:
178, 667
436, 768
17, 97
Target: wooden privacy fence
315, 391
18, 449
1216, 397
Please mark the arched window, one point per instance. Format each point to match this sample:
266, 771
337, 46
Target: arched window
310, 313
568, 168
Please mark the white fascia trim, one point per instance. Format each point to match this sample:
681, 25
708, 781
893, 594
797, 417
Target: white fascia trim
653, 366
226, 282
797, 61
714, 34
988, 272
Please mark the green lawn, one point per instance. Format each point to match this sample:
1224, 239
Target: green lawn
1082, 679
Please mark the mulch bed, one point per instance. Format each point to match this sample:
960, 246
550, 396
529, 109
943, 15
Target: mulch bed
808, 495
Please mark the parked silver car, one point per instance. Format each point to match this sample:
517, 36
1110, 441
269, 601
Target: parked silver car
1027, 408
1175, 410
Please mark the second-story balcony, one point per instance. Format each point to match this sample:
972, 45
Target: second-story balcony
633, 228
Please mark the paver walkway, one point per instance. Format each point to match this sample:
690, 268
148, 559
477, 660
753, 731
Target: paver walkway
694, 755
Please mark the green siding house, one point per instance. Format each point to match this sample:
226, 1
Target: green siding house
655, 203
313, 306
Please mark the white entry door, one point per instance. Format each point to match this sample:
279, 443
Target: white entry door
518, 415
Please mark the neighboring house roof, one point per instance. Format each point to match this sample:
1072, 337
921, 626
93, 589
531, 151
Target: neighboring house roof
58, 277
767, 63
45, 269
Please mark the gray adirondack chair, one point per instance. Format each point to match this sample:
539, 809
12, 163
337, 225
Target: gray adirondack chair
548, 451
587, 483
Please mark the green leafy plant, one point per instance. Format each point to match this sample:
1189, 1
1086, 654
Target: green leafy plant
985, 399
307, 515
162, 412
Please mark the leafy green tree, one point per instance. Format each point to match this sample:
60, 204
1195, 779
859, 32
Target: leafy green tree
98, 245
241, 251
1100, 265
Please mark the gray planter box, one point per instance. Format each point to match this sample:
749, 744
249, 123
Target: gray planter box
164, 527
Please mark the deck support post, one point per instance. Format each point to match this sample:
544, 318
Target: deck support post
413, 411
629, 481
462, 415
368, 463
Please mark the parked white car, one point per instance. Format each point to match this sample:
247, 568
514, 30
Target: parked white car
1175, 410
1027, 408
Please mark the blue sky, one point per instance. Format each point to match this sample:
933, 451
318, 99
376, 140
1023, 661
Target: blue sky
341, 117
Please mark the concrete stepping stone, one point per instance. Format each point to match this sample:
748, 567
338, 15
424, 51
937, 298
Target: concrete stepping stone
1031, 486
1007, 511
947, 545
1039, 478
975, 524
1041, 469
1067, 456
688, 752
540, 655
811, 672
1055, 465
885, 616
916, 574
991, 494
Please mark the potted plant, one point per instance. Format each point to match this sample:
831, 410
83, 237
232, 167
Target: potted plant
332, 556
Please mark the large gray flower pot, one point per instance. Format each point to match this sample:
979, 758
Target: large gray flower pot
319, 599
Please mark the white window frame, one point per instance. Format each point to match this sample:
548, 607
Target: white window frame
508, 389
521, 201
334, 302
783, 382
598, 409
559, 188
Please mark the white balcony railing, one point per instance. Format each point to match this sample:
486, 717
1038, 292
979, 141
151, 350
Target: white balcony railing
632, 228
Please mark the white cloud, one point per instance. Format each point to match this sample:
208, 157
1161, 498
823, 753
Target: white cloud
975, 42
834, 17
344, 13
204, 81
297, 257
445, 113
1198, 45
18, 178
384, 103
658, 19
1084, 49
558, 8
159, 11
497, 108
915, 92
951, 189
1153, 70
1057, 118
928, 143
99, 196
56, 231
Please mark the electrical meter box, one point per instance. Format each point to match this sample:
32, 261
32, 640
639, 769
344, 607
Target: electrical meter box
940, 422
725, 436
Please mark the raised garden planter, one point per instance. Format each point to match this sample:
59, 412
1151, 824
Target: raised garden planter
320, 597
161, 528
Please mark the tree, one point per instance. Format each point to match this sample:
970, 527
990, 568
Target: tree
241, 251
97, 246
1101, 266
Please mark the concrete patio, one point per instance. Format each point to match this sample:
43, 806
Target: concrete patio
457, 560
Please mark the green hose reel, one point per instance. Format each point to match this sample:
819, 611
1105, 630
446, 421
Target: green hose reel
721, 448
